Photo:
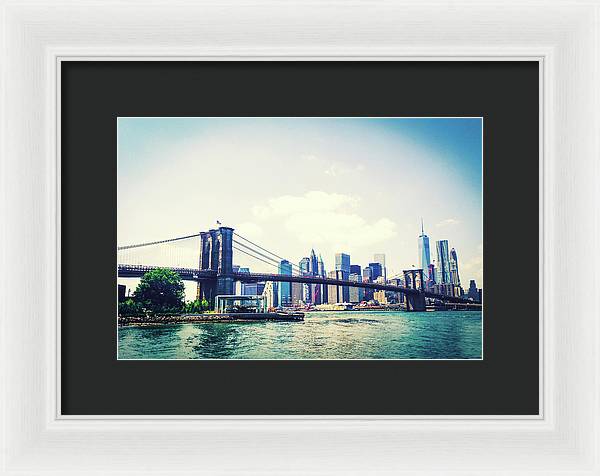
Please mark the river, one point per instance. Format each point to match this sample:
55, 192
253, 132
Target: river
322, 335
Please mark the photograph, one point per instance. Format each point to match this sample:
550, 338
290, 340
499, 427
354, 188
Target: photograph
300, 238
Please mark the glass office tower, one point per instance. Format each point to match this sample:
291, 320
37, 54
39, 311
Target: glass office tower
424, 255
443, 262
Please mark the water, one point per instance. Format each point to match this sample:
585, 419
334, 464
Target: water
322, 335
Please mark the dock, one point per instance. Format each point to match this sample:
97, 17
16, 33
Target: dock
213, 317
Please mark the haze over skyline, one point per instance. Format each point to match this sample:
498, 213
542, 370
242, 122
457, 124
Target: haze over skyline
354, 185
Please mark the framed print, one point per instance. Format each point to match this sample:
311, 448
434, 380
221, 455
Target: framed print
336, 250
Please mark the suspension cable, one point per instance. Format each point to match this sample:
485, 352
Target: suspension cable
140, 245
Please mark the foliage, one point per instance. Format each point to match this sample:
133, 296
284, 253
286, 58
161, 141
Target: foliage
161, 291
196, 306
130, 308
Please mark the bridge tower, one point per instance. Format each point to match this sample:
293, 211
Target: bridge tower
414, 301
216, 254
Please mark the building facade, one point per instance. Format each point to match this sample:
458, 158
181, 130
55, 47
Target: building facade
285, 289
443, 262
425, 256
380, 258
454, 277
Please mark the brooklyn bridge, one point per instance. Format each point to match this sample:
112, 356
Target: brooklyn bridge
215, 273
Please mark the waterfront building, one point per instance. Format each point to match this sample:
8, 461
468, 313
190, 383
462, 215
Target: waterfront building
368, 292
376, 271
304, 266
334, 292
380, 258
342, 265
454, 278
355, 269
425, 255
356, 294
297, 293
342, 262
253, 289
323, 273
473, 292
285, 289
242, 285
380, 297
431, 274
443, 262
313, 265
271, 295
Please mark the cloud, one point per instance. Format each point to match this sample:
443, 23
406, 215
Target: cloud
333, 168
448, 222
327, 219
249, 230
310, 202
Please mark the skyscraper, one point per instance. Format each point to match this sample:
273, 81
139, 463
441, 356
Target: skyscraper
355, 269
380, 258
473, 292
342, 262
367, 274
424, 255
376, 271
443, 262
304, 266
342, 266
454, 278
285, 289
323, 274
313, 265
313, 270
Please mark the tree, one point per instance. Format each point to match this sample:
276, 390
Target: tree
130, 308
161, 291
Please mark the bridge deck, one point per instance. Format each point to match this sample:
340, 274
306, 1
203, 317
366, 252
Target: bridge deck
191, 274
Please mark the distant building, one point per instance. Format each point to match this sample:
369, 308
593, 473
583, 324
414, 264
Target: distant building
342, 266
376, 271
443, 262
285, 289
454, 278
253, 289
271, 295
473, 292
304, 266
380, 297
425, 255
243, 285
323, 273
334, 292
121, 290
297, 294
431, 275
356, 294
380, 258
355, 269
367, 274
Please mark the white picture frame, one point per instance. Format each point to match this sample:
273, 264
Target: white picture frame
563, 36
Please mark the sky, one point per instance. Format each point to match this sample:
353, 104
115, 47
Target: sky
355, 185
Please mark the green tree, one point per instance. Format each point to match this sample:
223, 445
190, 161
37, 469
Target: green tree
161, 291
130, 308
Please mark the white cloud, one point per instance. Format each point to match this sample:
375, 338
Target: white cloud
326, 218
448, 222
310, 202
249, 230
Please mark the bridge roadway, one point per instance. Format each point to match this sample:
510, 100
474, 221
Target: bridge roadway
191, 274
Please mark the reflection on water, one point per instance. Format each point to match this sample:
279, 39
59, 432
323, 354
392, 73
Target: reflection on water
323, 335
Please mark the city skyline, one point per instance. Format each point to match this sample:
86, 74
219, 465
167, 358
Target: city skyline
342, 191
